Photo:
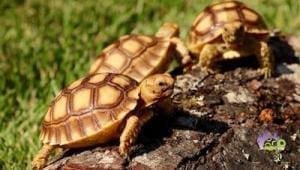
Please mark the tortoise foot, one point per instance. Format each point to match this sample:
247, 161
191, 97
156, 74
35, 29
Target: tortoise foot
267, 72
38, 163
207, 70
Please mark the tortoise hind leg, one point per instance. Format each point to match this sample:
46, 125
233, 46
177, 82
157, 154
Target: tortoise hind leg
265, 58
41, 158
207, 57
182, 50
131, 130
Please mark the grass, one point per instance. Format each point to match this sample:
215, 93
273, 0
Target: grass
45, 45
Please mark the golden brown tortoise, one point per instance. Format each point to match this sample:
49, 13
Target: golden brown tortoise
100, 108
228, 30
139, 56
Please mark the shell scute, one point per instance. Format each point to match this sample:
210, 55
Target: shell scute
59, 109
117, 60
146, 39
208, 24
132, 46
108, 95
99, 100
97, 78
81, 100
134, 55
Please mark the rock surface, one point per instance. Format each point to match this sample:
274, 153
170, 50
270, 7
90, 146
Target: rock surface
214, 124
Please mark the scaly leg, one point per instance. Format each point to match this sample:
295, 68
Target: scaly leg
41, 158
131, 130
182, 50
266, 59
207, 57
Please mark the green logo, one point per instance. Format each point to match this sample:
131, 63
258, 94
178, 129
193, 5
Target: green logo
276, 145
272, 143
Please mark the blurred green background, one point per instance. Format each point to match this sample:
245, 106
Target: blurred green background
46, 44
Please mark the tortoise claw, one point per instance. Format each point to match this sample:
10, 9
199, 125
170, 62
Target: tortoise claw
266, 72
207, 70
124, 153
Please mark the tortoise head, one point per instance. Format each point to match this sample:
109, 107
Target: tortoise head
156, 88
168, 30
233, 33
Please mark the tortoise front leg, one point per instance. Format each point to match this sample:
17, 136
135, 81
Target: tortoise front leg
265, 58
207, 57
131, 131
182, 50
41, 158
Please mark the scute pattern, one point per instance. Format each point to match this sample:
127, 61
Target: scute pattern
219, 14
65, 123
136, 56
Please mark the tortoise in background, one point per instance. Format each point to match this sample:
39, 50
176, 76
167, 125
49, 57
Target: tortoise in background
139, 56
99, 108
228, 30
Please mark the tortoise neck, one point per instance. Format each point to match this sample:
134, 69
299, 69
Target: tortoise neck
142, 104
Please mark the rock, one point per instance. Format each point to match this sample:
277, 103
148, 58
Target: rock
98, 158
293, 73
255, 85
266, 116
294, 41
175, 151
241, 95
214, 123
184, 96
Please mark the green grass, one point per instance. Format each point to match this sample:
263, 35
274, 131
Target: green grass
44, 45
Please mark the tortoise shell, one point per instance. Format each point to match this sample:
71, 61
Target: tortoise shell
136, 56
209, 24
90, 110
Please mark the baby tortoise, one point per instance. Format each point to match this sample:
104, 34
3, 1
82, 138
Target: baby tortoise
139, 56
99, 108
228, 30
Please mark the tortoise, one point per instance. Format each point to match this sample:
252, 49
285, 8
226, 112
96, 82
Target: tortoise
99, 108
228, 30
139, 56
